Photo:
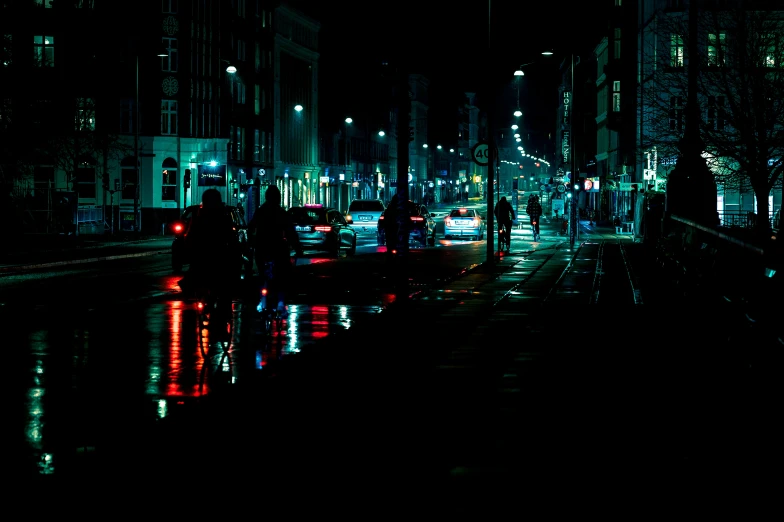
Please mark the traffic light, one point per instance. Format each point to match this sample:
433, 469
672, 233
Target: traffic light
187, 179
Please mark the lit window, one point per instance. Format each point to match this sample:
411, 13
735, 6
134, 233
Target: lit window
717, 49
169, 180
85, 114
168, 117
169, 62
676, 50
43, 50
616, 105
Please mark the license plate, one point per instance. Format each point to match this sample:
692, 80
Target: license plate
302, 229
365, 218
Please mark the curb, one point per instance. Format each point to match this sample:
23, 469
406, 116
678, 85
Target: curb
26, 267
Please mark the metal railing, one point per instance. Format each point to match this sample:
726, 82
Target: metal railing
740, 218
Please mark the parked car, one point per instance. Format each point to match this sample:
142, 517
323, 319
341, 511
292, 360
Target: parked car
464, 222
363, 214
422, 227
323, 229
180, 254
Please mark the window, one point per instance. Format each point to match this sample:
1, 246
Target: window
44, 3
169, 6
241, 8
770, 50
676, 50
43, 176
676, 113
617, 44
127, 116
5, 113
257, 99
169, 62
43, 50
616, 96
235, 145
717, 116
85, 114
128, 178
7, 56
168, 117
256, 145
717, 50
675, 4
169, 180
85, 180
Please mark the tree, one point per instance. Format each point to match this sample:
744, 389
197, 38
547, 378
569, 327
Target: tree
740, 88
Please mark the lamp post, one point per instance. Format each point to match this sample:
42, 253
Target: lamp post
136, 194
348, 121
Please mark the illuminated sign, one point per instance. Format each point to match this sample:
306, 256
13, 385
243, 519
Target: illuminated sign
211, 175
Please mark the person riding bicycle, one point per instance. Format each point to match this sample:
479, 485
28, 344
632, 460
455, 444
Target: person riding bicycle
212, 246
273, 237
505, 215
534, 211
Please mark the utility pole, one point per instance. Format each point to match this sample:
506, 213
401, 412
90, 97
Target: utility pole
403, 143
490, 141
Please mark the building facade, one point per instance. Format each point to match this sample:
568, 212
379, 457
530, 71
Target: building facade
191, 95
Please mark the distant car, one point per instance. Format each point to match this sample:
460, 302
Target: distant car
464, 222
323, 229
422, 227
180, 254
363, 214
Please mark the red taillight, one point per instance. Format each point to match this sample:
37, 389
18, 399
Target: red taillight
200, 306
322, 229
263, 291
417, 218
177, 227
448, 221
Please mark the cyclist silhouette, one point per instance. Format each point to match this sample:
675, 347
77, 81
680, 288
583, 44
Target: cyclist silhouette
534, 211
504, 213
273, 237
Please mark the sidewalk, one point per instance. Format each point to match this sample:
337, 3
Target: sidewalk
42, 251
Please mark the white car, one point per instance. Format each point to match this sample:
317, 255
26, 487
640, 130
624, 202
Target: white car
464, 222
363, 214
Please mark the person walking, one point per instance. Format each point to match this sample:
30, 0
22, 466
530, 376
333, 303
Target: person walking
534, 211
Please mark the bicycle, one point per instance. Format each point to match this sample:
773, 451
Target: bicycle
271, 317
503, 238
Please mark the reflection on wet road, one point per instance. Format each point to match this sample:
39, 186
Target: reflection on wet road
166, 360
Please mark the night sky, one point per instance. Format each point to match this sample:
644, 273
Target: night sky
447, 42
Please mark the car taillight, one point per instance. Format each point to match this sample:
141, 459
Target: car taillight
475, 223
177, 227
448, 221
322, 229
417, 218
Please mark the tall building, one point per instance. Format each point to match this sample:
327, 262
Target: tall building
121, 113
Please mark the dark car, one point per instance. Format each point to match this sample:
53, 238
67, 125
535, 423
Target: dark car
180, 254
323, 229
421, 226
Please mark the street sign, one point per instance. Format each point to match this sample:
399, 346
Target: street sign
480, 153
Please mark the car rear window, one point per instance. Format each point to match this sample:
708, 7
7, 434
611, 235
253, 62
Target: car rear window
366, 206
307, 216
462, 213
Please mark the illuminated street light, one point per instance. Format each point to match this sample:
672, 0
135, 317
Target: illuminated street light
298, 108
349, 120
515, 127
381, 133
518, 113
